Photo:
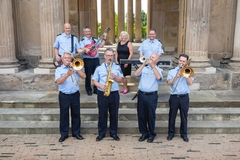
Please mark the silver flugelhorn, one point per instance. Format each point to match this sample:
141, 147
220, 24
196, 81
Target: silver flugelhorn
143, 59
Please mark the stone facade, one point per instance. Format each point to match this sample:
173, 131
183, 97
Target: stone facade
204, 29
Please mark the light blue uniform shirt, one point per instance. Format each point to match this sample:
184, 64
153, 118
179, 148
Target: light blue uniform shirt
100, 75
64, 43
148, 47
182, 87
67, 87
148, 81
84, 41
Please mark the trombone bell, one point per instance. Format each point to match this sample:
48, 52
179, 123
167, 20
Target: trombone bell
187, 72
77, 64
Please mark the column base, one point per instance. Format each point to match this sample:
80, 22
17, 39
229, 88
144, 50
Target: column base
43, 71
234, 66
8, 70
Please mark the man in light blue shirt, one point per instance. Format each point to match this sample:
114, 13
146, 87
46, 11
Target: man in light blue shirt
90, 62
65, 42
151, 45
151, 76
69, 96
107, 78
179, 99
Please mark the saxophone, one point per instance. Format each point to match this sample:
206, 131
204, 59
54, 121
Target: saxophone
109, 81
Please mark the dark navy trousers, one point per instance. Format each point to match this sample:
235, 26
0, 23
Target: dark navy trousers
90, 64
182, 103
72, 101
108, 104
146, 110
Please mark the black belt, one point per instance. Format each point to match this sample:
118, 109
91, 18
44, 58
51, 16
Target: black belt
148, 93
71, 94
110, 92
179, 95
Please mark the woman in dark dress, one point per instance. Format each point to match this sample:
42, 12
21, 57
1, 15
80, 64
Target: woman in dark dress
124, 50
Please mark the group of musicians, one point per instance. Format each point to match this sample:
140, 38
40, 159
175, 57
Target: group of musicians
106, 78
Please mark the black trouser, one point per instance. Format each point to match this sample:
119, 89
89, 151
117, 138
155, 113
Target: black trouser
90, 64
146, 109
72, 101
180, 102
105, 104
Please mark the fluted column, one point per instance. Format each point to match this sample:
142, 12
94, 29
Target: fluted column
108, 19
130, 20
138, 34
149, 15
51, 24
235, 64
8, 61
84, 19
93, 18
120, 16
197, 31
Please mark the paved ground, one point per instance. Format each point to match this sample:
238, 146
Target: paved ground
34, 147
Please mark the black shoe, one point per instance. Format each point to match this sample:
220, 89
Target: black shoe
95, 92
115, 137
169, 137
150, 139
61, 139
89, 93
142, 138
99, 138
79, 137
185, 138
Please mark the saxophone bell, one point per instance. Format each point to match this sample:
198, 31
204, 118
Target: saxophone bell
109, 81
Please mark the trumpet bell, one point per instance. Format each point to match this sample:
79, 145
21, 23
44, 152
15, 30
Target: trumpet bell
78, 64
142, 59
187, 72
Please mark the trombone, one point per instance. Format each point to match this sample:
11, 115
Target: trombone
77, 64
185, 72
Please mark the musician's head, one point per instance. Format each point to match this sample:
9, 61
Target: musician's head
154, 57
67, 57
87, 32
152, 34
109, 55
67, 28
124, 36
183, 60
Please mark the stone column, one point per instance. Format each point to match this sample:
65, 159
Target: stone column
138, 34
130, 20
197, 31
84, 19
8, 61
108, 19
235, 60
149, 15
121, 16
93, 18
51, 24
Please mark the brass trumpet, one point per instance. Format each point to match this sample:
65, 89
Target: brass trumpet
143, 59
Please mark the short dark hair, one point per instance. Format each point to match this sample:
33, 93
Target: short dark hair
109, 49
184, 55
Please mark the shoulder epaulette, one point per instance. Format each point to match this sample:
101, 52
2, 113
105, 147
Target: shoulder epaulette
59, 34
94, 38
74, 35
171, 68
82, 39
159, 40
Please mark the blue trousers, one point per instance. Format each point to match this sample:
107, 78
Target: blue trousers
90, 64
72, 101
181, 103
146, 110
108, 104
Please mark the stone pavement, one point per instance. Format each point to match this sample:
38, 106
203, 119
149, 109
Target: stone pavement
42, 146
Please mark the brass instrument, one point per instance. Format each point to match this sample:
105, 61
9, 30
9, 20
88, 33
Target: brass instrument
108, 82
143, 59
185, 72
77, 64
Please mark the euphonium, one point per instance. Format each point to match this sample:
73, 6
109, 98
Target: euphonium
109, 81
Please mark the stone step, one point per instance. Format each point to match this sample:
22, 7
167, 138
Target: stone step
125, 114
124, 127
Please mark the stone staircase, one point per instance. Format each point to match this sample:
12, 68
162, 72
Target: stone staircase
38, 113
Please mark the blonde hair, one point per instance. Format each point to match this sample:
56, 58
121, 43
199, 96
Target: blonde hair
123, 33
